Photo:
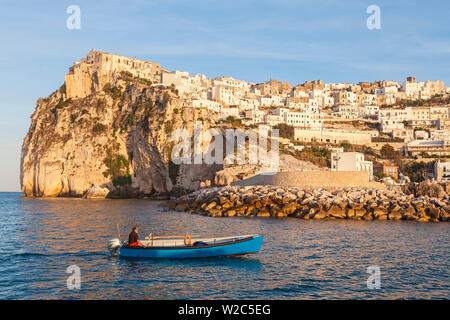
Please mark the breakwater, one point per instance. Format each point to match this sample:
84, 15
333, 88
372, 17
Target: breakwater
319, 203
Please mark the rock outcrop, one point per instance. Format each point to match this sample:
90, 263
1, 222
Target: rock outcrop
116, 137
96, 192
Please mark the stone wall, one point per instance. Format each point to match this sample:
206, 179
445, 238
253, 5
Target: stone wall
332, 136
345, 203
337, 179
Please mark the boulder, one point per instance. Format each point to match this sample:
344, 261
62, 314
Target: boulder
264, 212
380, 213
96, 192
320, 215
395, 215
337, 212
290, 208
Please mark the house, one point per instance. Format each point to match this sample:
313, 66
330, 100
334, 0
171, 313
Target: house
431, 147
386, 169
442, 171
350, 161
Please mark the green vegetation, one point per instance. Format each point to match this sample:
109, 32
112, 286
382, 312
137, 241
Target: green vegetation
174, 169
381, 174
118, 169
145, 82
99, 105
235, 123
63, 103
416, 171
318, 155
148, 107
99, 128
167, 98
388, 152
434, 156
168, 126
348, 147
130, 120
285, 130
114, 92
434, 100
383, 139
128, 76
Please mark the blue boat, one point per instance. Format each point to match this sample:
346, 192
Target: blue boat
185, 247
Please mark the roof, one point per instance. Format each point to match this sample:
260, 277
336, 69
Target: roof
385, 165
426, 143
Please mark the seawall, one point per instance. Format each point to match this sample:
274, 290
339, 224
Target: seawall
320, 203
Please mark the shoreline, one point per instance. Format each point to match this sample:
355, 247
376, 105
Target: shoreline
306, 203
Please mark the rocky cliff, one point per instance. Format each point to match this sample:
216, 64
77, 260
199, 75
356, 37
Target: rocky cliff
117, 137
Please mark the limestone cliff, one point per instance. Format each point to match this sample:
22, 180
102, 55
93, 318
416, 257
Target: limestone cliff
117, 137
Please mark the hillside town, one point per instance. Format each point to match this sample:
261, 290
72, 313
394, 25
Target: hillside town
412, 118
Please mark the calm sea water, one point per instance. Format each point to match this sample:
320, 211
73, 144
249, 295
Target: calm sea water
40, 238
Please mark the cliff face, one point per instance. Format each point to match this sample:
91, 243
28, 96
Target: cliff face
116, 137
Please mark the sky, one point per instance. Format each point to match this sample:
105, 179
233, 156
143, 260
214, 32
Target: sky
287, 40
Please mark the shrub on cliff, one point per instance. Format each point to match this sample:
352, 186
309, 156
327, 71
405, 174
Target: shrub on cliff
118, 169
63, 103
114, 92
99, 128
168, 125
320, 156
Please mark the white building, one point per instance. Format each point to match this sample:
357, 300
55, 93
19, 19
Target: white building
255, 116
229, 112
272, 101
272, 120
348, 111
388, 126
307, 120
225, 94
350, 161
371, 110
209, 104
442, 171
389, 93
393, 114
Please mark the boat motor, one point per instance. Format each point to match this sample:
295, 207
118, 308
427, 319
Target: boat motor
114, 246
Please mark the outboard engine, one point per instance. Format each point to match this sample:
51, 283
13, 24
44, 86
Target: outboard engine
114, 246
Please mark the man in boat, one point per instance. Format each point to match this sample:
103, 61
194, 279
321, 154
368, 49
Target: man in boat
133, 238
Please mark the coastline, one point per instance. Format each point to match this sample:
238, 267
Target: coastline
320, 203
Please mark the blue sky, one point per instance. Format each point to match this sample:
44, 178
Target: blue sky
250, 40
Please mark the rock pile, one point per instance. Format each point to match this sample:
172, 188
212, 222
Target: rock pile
427, 188
347, 203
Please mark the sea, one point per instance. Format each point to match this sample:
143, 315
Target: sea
57, 249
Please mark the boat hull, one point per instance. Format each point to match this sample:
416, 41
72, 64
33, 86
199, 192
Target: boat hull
246, 246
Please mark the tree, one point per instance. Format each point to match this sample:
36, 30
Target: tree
388, 152
285, 130
347, 146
